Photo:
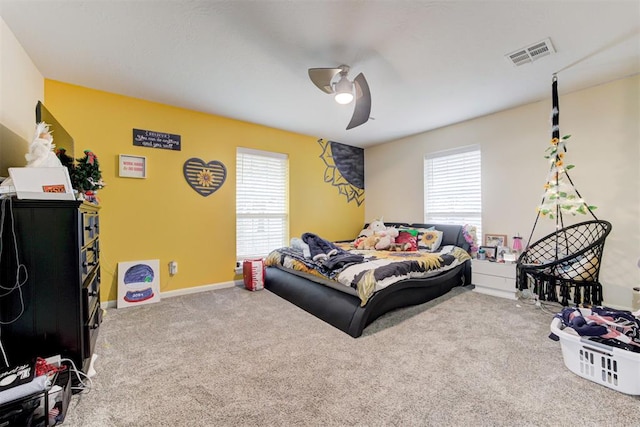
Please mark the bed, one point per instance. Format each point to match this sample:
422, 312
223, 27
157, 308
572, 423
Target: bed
337, 302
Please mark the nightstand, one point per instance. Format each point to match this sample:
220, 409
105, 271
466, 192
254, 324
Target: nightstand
494, 278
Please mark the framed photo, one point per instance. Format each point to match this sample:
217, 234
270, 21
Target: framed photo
490, 252
495, 240
133, 166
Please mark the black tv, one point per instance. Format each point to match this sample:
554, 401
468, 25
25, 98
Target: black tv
61, 138
12, 150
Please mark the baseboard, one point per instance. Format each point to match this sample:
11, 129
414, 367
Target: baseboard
185, 291
496, 292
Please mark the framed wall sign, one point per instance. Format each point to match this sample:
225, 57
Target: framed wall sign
133, 166
153, 139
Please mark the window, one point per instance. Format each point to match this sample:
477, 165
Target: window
452, 188
262, 208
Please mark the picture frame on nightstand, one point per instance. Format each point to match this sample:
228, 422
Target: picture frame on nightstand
490, 252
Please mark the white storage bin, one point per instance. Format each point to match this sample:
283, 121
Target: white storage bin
609, 366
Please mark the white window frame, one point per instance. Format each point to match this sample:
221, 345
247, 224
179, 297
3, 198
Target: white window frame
262, 202
453, 187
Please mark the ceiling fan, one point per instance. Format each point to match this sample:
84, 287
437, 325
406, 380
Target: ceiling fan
335, 81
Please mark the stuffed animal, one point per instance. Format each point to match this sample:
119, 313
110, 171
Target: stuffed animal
366, 242
376, 236
376, 225
41, 151
387, 237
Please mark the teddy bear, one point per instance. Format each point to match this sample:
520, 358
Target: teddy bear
386, 237
366, 242
376, 236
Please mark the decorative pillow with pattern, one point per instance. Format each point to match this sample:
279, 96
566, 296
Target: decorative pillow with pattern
429, 240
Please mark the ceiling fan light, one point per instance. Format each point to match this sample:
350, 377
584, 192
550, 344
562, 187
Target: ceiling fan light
344, 98
344, 91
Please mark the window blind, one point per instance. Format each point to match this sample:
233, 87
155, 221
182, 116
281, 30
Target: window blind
262, 206
452, 188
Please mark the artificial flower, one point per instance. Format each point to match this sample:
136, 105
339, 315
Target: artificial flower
205, 178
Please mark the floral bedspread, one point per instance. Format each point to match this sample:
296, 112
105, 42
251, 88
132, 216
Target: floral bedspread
378, 270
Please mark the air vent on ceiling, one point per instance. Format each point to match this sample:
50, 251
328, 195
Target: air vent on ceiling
531, 53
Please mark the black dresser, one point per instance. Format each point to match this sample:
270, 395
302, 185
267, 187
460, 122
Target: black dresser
58, 244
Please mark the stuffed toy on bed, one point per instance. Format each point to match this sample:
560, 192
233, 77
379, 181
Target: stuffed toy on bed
365, 243
376, 236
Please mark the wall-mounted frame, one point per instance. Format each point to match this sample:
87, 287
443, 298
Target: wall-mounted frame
495, 240
132, 166
490, 252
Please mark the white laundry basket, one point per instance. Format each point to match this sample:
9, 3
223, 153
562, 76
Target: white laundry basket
609, 366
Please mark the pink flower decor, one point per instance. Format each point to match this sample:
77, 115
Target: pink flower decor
469, 233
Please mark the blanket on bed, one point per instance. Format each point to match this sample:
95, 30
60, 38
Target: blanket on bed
369, 271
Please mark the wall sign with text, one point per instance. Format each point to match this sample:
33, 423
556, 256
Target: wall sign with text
132, 166
152, 139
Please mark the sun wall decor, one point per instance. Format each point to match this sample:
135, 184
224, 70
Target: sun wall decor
344, 169
204, 178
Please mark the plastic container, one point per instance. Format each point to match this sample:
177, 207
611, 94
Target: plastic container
611, 367
253, 274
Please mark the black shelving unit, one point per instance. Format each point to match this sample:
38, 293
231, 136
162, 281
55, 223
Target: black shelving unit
57, 246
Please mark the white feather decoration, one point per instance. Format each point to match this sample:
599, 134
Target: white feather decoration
41, 151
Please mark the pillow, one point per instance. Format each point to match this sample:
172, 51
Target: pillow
411, 231
429, 240
407, 241
581, 269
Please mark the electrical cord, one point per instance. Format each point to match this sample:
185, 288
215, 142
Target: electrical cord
19, 266
86, 387
546, 307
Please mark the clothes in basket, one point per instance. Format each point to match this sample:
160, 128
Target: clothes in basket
601, 345
617, 328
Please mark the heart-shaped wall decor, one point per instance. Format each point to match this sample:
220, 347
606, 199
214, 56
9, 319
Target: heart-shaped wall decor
204, 178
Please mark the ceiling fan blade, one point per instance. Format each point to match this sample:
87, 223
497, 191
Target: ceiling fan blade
322, 77
362, 109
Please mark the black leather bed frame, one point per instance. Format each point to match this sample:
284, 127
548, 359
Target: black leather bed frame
343, 310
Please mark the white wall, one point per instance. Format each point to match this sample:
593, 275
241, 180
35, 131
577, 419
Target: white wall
604, 147
21, 87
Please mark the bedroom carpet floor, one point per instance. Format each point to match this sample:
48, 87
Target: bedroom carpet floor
231, 357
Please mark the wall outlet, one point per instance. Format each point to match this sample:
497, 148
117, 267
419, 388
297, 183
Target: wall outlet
173, 268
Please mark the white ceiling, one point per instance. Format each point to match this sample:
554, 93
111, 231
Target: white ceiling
428, 63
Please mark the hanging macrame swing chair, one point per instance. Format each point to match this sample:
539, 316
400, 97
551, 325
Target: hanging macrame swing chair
568, 259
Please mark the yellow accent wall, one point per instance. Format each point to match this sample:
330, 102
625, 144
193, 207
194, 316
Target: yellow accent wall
161, 217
